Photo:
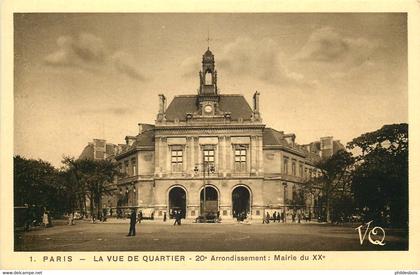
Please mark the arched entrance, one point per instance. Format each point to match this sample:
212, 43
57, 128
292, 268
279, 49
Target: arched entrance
211, 205
177, 201
241, 202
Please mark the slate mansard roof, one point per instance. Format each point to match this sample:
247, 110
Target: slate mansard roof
183, 104
88, 151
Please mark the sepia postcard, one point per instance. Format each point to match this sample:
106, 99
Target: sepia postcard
218, 135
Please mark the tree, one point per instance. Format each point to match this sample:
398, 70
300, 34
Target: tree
36, 183
92, 179
380, 181
334, 183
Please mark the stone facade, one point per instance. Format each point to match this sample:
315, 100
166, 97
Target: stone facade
215, 146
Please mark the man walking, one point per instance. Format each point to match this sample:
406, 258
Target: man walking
133, 220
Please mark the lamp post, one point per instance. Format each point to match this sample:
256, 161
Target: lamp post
284, 199
206, 168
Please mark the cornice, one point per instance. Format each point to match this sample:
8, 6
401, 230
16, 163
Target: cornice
134, 150
285, 148
209, 126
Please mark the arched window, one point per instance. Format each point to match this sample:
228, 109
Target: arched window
208, 78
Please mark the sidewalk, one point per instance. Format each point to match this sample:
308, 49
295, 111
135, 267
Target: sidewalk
192, 221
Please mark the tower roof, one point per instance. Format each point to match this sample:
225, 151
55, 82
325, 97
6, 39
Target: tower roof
208, 52
183, 104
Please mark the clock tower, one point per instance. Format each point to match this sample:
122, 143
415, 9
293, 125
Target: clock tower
208, 95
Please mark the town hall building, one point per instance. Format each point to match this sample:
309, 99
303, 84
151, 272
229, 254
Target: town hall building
211, 154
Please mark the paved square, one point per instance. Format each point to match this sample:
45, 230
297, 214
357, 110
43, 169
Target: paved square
158, 236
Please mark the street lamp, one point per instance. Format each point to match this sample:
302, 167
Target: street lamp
284, 200
209, 168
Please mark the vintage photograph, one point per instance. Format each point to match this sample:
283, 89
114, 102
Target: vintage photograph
210, 132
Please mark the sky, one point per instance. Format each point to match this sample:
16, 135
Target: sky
83, 76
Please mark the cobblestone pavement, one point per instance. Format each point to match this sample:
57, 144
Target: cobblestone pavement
159, 236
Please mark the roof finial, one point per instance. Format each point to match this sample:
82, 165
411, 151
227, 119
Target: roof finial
208, 38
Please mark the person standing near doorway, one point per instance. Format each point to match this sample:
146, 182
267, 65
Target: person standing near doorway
133, 220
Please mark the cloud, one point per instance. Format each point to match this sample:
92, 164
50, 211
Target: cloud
88, 51
106, 110
190, 66
326, 45
246, 57
123, 63
262, 59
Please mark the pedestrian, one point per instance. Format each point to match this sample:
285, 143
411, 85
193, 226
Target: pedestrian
179, 217
110, 212
274, 216
299, 216
140, 216
164, 216
283, 216
45, 218
267, 218
175, 216
104, 214
27, 217
133, 220
49, 218
71, 218
293, 216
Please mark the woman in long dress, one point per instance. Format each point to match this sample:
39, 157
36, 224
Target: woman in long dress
45, 218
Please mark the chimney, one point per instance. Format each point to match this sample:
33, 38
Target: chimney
129, 140
162, 108
162, 104
256, 112
256, 102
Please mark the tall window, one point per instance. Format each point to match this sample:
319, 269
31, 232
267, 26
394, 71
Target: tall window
126, 169
240, 160
208, 78
294, 168
176, 160
300, 170
133, 166
285, 166
208, 154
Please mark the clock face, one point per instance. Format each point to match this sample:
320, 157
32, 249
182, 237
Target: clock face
208, 109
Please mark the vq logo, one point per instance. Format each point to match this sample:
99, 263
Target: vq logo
374, 232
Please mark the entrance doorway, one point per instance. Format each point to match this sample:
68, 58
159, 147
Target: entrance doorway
241, 202
177, 201
211, 206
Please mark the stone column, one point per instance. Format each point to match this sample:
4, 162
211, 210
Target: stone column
192, 164
167, 156
221, 156
158, 167
260, 155
228, 152
253, 151
197, 151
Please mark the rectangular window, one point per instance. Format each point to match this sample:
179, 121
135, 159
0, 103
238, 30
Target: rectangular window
300, 170
176, 160
240, 160
126, 169
134, 166
294, 168
285, 166
208, 154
